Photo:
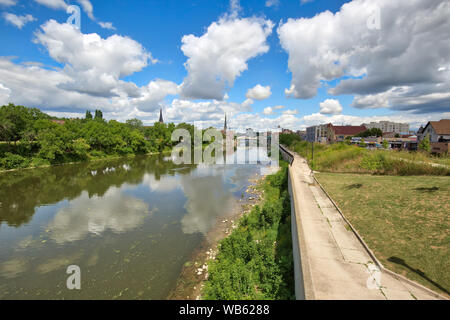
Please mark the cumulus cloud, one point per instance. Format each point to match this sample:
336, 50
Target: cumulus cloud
393, 67
154, 93
8, 3
268, 111
91, 76
4, 95
203, 113
94, 64
18, 21
53, 4
87, 7
330, 106
220, 55
290, 112
259, 92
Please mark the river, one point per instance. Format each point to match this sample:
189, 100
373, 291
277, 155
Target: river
129, 224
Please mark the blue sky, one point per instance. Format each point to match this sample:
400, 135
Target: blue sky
339, 68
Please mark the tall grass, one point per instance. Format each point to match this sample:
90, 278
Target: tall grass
340, 157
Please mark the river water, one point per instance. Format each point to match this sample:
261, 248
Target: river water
129, 224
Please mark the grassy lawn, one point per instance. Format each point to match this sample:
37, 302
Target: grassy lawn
404, 220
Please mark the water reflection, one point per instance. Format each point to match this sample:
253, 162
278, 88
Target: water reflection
115, 211
130, 224
207, 199
23, 191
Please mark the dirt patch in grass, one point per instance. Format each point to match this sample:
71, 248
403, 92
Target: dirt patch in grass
404, 220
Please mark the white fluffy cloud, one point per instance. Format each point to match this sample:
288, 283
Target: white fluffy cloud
94, 64
268, 111
91, 76
290, 112
8, 3
205, 113
219, 56
259, 92
154, 93
18, 21
392, 67
54, 4
4, 94
330, 106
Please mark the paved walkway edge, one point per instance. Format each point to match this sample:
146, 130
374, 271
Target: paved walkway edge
304, 289
372, 255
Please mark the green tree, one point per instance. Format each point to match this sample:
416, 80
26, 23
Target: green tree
98, 115
385, 144
425, 144
15, 121
88, 115
374, 132
135, 124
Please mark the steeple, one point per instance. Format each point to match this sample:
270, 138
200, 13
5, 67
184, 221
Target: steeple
225, 124
161, 116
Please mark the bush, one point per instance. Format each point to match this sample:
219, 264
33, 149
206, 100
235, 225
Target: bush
255, 261
13, 161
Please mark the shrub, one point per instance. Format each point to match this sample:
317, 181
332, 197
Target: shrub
255, 261
13, 161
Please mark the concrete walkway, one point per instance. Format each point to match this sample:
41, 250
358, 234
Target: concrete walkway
335, 265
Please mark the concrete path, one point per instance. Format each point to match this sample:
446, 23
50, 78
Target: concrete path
335, 265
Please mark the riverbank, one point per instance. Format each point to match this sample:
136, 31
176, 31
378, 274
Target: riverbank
93, 159
255, 261
195, 272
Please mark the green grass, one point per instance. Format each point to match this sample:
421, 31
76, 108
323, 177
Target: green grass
404, 220
256, 260
343, 158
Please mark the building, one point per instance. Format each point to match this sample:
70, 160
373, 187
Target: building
161, 120
388, 126
318, 133
437, 131
301, 134
439, 135
340, 133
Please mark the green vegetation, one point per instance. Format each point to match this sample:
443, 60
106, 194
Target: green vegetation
374, 132
425, 144
32, 138
404, 220
255, 261
341, 157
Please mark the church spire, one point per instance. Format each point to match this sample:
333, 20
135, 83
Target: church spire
225, 124
161, 120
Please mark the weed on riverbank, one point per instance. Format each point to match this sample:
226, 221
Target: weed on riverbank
255, 261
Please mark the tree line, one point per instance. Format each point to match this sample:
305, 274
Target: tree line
31, 138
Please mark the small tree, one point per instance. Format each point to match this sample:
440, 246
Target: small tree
98, 114
385, 144
425, 144
88, 115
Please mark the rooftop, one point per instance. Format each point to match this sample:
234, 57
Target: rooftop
441, 126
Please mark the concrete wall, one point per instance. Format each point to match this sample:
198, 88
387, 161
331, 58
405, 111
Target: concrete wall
298, 273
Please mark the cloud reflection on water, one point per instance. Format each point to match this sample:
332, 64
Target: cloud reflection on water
114, 210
